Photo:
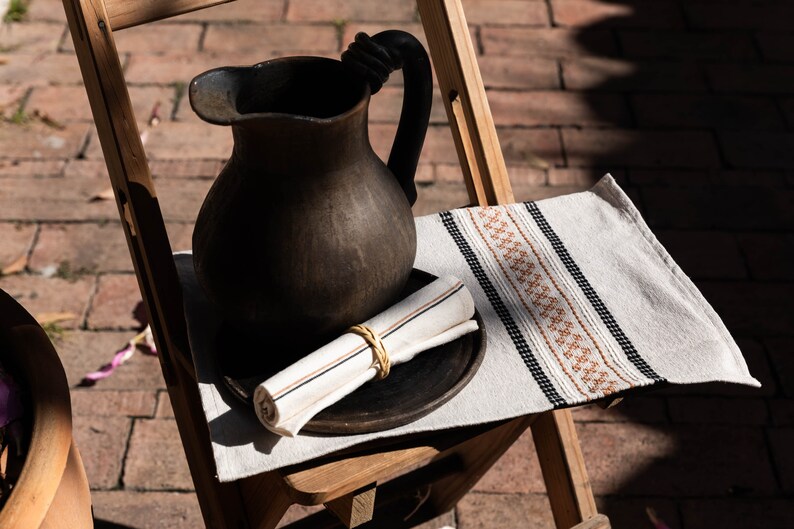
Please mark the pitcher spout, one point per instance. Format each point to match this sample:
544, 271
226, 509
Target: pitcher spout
213, 94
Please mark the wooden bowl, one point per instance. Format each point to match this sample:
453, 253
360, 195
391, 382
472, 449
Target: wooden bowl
52, 490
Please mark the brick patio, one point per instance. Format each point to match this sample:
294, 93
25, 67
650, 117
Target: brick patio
690, 104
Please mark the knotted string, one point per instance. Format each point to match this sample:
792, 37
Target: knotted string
371, 60
378, 349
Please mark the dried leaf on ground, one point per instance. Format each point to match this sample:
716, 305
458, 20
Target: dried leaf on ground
54, 317
16, 266
154, 115
536, 161
106, 194
48, 120
657, 522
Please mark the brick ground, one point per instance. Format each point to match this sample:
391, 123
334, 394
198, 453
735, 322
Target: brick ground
688, 103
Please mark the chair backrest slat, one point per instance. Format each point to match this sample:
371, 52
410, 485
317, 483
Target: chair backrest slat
127, 13
129, 172
463, 93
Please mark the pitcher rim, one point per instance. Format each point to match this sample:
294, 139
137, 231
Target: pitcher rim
240, 118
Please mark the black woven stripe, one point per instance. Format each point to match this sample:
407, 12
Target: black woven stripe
501, 310
594, 299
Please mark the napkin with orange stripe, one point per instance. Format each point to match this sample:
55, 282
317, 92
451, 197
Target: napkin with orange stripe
432, 316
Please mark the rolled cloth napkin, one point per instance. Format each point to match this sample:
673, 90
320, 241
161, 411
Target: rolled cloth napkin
432, 316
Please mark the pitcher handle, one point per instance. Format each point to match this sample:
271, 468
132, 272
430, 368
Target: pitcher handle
375, 58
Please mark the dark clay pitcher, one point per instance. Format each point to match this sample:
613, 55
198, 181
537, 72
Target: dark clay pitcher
306, 231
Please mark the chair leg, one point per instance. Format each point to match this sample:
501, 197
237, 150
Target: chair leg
355, 508
563, 469
265, 499
597, 522
221, 503
477, 456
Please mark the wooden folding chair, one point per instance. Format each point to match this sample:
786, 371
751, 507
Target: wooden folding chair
451, 462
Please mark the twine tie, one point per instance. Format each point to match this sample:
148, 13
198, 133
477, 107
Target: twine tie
381, 357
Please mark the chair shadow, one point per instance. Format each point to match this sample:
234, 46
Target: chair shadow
106, 524
706, 171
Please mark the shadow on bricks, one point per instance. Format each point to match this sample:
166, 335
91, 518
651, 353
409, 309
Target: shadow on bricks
708, 158
104, 524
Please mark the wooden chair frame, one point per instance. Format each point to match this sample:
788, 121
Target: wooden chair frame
345, 483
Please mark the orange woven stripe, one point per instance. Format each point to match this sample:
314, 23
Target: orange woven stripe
570, 342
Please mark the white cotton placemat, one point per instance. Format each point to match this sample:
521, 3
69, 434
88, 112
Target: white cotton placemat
578, 298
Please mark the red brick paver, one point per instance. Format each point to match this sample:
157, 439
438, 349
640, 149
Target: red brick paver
147, 510
151, 464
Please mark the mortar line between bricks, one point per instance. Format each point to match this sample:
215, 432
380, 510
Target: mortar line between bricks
202, 37
572, 126
124, 59
507, 25
72, 222
127, 444
290, 24
682, 11
772, 462
23, 101
85, 146
672, 497
737, 280
560, 76
89, 305
185, 492
155, 491
679, 512
101, 221
120, 330
33, 242
340, 26
158, 397
669, 497
668, 413
710, 228
64, 36
638, 420
478, 42
618, 42
284, 9
563, 150
787, 126
628, 101
177, 99
500, 493
769, 416
743, 255
760, 56
550, 14
724, 164
773, 372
